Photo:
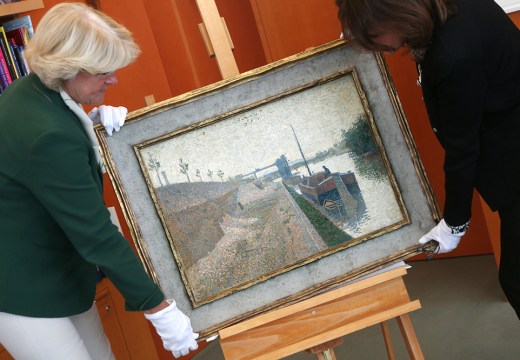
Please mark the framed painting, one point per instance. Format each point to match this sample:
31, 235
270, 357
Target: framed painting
265, 189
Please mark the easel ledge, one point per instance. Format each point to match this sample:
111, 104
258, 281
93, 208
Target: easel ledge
323, 318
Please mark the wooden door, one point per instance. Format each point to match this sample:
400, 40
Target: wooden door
186, 61
108, 314
4, 355
291, 26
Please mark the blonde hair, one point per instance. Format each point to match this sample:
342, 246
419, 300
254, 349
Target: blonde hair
72, 37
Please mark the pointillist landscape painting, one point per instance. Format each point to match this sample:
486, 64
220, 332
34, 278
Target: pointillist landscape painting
271, 187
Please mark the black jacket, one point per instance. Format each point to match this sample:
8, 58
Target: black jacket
471, 85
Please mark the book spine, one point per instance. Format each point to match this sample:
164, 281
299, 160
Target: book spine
17, 57
18, 35
25, 64
7, 54
4, 81
4, 71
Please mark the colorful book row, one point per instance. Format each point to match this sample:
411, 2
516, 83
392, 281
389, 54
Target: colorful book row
14, 35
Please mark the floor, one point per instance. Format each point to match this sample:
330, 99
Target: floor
464, 315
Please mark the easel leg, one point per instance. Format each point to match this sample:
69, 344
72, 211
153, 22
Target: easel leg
324, 351
388, 340
326, 355
410, 339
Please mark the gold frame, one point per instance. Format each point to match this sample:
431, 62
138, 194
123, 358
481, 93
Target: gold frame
110, 146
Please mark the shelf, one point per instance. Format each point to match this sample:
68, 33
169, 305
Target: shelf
19, 7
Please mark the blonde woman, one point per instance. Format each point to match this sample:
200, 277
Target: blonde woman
56, 231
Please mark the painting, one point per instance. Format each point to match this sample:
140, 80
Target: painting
250, 194
262, 190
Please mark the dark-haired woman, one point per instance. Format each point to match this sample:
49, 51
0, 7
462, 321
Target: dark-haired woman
468, 60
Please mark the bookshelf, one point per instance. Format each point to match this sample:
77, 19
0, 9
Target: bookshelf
19, 7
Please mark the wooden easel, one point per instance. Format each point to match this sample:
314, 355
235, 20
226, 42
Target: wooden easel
316, 324
217, 39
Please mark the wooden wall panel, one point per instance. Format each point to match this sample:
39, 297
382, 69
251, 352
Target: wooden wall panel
290, 26
144, 77
206, 67
185, 59
176, 58
239, 17
515, 17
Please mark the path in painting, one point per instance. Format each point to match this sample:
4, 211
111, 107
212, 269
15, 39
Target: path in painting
231, 235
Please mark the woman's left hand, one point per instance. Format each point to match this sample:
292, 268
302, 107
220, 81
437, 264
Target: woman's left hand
444, 235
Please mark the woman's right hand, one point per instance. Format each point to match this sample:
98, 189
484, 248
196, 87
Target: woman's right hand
174, 328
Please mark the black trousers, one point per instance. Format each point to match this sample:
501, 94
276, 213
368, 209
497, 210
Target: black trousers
509, 272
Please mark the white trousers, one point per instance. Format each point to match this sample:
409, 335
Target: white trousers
79, 337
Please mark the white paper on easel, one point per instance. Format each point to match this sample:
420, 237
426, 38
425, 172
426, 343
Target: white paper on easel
383, 270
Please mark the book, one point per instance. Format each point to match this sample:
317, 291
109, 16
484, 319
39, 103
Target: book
20, 38
6, 49
19, 35
25, 64
20, 22
5, 76
5, 79
17, 58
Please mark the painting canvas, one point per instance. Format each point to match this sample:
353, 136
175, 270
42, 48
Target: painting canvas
272, 186
259, 191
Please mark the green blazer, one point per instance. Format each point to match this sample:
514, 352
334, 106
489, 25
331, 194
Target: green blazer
54, 226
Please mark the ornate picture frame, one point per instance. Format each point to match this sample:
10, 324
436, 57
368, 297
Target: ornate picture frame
262, 190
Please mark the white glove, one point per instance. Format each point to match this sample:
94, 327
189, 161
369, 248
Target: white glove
175, 329
442, 233
111, 117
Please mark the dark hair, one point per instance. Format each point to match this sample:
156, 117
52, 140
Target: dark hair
414, 20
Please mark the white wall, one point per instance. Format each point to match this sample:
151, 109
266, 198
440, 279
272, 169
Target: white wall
509, 5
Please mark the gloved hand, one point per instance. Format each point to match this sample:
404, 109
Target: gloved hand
442, 233
111, 117
175, 329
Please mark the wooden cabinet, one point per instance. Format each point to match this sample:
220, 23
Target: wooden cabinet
4, 355
186, 62
291, 26
128, 332
19, 7
109, 318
